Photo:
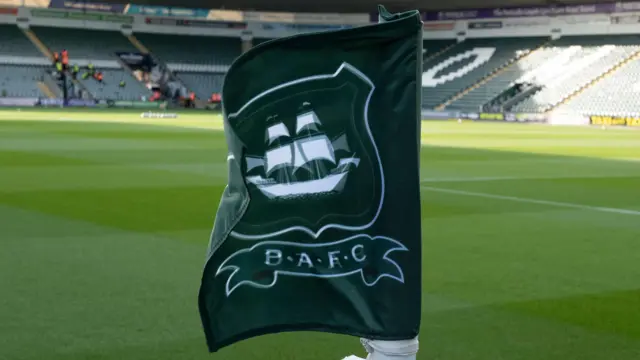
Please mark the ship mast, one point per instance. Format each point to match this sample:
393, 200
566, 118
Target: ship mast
306, 121
278, 143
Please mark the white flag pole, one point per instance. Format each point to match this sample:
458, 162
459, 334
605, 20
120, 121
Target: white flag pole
388, 350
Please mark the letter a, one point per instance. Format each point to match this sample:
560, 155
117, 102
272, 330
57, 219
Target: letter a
305, 259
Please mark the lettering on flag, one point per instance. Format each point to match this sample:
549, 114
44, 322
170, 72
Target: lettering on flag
260, 265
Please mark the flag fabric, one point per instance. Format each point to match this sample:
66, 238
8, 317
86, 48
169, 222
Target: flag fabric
319, 226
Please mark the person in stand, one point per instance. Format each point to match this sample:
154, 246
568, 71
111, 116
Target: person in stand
98, 76
56, 58
122, 84
74, 71
155, 96
91, 71
214, 101
59, 68
65, 59
191, 100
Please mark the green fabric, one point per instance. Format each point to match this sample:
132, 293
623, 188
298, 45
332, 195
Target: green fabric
319, 226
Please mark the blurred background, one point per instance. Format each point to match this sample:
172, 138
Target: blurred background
530, 173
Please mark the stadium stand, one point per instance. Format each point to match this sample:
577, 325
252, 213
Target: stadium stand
568, 73
110, 87
580, 61
203, 84
431, 48
98, 47
206, 50
616, 95
84, 44
20, 80
465, 64
13, 42
476, 98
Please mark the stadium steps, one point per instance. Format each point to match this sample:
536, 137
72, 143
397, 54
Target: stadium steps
135, 42
52, 85
143, 49
490, 76
84, 87
38, 43
129, 71
442, 51
46, 90
616, 67
44, 49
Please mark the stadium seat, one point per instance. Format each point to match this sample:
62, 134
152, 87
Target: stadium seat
110, 88
203, 84
433, 47
463, 65
587, 57
616, 95
84, 44
14, 42
476, 98
192, 49
21, 80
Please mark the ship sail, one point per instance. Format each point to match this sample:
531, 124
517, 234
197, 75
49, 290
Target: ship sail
308, 120
341, 143
254, 162
277, 158
313, 148
276, 131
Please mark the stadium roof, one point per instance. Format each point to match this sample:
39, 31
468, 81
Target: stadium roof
362, 6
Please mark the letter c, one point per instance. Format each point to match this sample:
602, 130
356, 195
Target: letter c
355, 255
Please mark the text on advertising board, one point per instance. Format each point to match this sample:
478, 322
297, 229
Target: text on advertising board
615, 120
439, 26
530, 11
8, 11
485, 25
490, 116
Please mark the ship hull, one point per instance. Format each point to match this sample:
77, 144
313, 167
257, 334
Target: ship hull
312, 187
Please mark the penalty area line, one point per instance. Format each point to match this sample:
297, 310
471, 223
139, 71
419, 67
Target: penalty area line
531, 201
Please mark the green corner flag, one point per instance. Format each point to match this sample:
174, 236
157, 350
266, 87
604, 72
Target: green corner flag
319, 226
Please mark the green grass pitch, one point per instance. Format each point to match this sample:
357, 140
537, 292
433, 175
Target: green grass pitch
531, 241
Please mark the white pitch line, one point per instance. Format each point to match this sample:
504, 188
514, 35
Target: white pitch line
472, 179
532, 201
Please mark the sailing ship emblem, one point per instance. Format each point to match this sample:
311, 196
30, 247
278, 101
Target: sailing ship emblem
305, 159
302, 164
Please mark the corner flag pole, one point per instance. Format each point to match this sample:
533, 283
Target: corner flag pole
388, 350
